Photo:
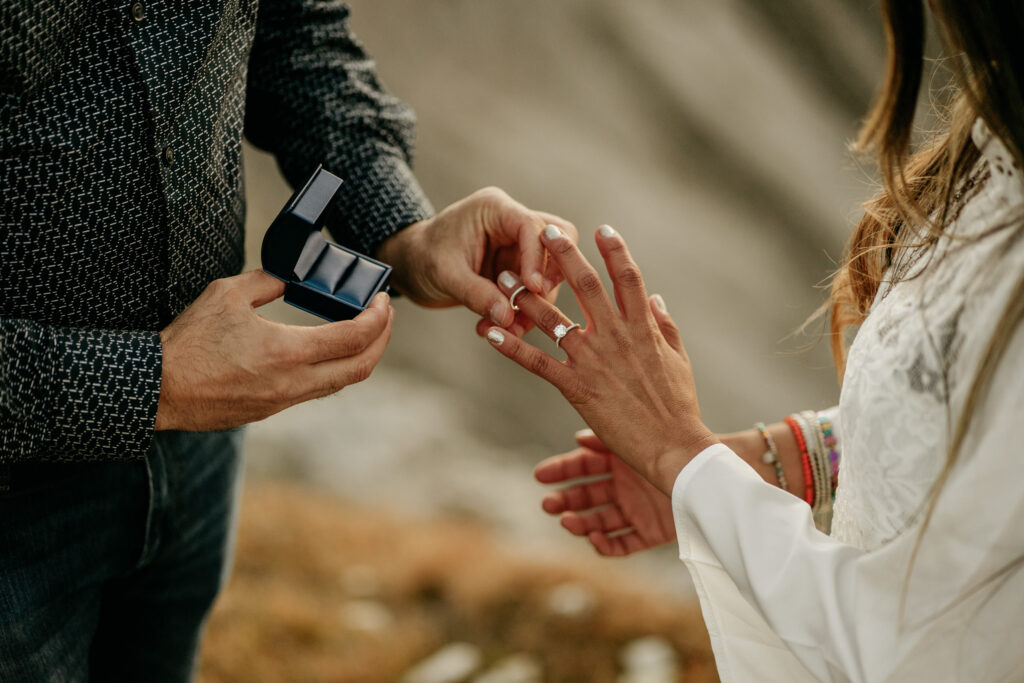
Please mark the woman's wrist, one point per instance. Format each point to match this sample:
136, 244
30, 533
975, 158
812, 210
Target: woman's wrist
751, 447
664, 470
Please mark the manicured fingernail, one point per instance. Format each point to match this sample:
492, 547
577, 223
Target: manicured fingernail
552, 232
537, 281
659, 303
507, 279
584, 434
498, 312
495, 337
606, 231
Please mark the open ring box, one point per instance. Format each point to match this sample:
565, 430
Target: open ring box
321, 277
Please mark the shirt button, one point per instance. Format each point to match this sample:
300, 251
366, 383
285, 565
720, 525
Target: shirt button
168, 156
138, 12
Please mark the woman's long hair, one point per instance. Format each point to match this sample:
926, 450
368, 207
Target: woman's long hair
986, 49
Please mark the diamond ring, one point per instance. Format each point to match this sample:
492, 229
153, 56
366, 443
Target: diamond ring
561, 330
512, 299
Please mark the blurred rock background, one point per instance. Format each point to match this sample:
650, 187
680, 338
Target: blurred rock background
712, 135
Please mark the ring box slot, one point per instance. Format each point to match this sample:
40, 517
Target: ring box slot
364, 278
321, 277
331, 268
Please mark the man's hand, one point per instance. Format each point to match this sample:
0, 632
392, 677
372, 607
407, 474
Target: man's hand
224, 365
455, 257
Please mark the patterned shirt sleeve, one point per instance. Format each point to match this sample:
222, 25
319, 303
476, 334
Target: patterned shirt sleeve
76, 394
313, 97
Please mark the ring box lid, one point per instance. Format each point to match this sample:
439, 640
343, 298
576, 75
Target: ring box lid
323, 278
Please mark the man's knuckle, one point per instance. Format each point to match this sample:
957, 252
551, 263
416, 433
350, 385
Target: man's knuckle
286, 356
491, 194
349, 345
279, 392
362, 371
346, 344
283, 353
219, 286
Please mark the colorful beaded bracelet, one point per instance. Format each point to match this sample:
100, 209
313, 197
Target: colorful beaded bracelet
831, 443
805, 459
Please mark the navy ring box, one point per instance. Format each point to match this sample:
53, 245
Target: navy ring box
320, 277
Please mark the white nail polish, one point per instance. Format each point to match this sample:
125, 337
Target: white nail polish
607, 231
495, 337
552, 232
659, 303
507, 279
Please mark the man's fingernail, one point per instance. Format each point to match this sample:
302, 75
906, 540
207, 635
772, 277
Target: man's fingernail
584, 433
507, 279
495, 337
537, 281
606, 231
498, 311
659, 303
552, 232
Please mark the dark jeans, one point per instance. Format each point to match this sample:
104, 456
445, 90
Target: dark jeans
108, 570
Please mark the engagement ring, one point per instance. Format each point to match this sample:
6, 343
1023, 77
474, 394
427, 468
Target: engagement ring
560, 331
512, 299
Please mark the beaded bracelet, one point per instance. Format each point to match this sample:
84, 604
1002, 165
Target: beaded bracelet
771, 456
805, 460
811, 445
828, 434
819, 459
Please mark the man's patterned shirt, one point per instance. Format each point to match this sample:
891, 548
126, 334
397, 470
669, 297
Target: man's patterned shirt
121, 192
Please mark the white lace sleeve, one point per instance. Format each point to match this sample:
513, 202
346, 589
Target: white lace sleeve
784, 602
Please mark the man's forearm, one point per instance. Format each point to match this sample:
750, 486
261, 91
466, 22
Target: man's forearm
76, 394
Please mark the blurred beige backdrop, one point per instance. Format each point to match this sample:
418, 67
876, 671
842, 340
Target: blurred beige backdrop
712, 135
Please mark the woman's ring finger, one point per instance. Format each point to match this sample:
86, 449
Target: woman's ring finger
561, 330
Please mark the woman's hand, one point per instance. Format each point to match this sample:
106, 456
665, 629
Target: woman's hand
627, 373
621, 513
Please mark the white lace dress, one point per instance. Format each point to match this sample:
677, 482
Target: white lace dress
784, 602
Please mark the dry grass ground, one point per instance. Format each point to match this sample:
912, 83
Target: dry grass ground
306, 563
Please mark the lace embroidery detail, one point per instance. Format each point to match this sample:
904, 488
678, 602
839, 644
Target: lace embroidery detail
912, 361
